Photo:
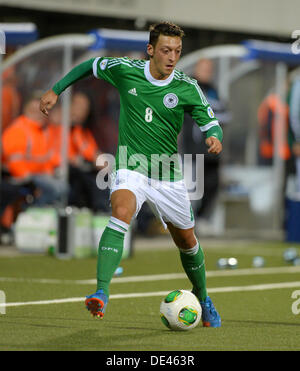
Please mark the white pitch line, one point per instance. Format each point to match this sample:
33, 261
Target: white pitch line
268, 286
254, 271
161, 277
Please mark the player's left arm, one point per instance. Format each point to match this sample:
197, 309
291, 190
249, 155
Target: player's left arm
213, 139
204, 116
210, 127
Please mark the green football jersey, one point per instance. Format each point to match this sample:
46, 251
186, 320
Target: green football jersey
151, 115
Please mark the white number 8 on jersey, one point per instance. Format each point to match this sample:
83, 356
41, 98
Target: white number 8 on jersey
148, 114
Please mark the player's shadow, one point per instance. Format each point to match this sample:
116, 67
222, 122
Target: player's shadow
95, 339
20, 321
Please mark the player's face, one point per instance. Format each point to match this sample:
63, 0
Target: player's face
164, 56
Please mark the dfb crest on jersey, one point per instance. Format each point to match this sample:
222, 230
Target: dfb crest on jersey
170, 100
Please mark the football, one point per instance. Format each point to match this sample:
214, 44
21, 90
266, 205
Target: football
180, 310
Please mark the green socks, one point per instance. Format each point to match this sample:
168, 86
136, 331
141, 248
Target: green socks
193, 263
110, 252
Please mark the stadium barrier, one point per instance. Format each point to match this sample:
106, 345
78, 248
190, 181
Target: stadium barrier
65, 233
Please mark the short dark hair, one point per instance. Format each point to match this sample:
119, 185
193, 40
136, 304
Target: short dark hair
164, 28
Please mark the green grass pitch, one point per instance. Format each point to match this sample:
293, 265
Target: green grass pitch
259, 317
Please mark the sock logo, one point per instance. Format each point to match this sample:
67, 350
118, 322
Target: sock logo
109, 249
197, 267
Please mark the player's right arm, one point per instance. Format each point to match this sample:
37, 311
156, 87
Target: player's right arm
93, 66
49, 99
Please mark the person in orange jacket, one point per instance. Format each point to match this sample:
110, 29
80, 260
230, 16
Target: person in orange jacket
83, 152
27, 154
268, 110
10, 97
83, 146
55, 136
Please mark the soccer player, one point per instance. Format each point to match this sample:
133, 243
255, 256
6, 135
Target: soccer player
154, 96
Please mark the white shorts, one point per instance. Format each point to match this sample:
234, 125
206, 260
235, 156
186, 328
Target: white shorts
169, 201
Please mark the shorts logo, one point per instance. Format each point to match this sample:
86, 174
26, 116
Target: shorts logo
210, 112
103, 64
170, 100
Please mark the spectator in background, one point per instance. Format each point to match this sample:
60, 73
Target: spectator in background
13, 199
83, 152
55, 137
10, 97
270, 109
194, 143
295, 125
27, 154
